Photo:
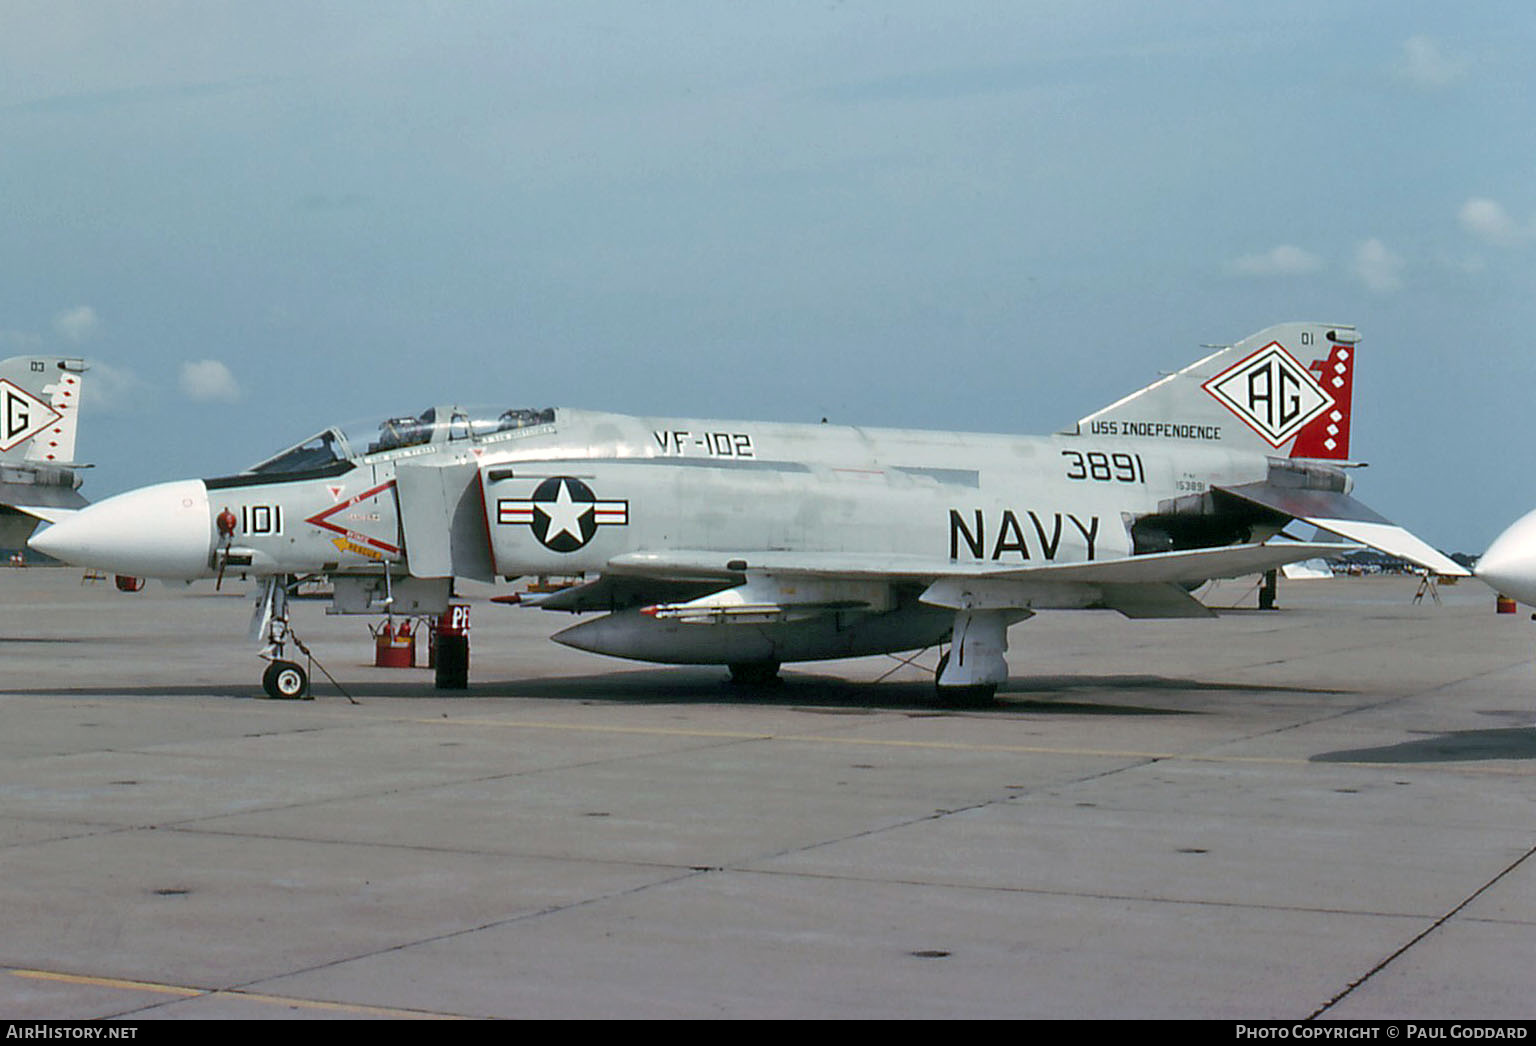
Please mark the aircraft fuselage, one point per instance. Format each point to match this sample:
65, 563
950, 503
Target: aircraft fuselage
568, 497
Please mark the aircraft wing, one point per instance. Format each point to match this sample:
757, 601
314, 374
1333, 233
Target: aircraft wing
718, 585
1152, 568
45, 502
18, 521
1341, 514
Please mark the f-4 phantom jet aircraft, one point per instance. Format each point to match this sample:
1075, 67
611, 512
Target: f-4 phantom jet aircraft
1509, 565
751, 544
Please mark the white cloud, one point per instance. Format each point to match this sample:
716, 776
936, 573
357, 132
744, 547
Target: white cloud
1377, 267
114, 390
1284, 260
1424, 64
1489, 221
77, 324
208, 381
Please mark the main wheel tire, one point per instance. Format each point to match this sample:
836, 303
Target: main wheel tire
755, 673
962, 696
285, 681
968, 696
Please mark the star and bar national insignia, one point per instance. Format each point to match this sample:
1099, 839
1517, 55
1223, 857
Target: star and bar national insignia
563, 513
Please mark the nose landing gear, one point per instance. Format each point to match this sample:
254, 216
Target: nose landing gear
283, 680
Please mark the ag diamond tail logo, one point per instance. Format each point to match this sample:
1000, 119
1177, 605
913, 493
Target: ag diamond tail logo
22, 415
1270, 391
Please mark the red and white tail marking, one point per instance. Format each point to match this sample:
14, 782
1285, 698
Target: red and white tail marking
1327, 436
1255, 396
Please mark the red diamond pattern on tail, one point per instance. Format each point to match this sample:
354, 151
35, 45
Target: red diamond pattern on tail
1328, 436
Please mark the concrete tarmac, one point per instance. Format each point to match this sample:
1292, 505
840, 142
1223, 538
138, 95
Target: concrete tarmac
1324, 810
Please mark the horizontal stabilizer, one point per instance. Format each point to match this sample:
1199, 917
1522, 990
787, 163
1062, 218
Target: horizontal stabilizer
1340, 514
1394, 541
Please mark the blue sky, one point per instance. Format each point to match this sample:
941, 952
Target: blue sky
258, 219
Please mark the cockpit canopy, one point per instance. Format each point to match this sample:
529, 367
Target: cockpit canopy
440, 425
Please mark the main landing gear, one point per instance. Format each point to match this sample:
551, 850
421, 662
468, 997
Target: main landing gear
970, 673
973, 696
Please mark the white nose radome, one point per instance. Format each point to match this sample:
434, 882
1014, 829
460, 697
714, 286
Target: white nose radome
160, 531
1509, 565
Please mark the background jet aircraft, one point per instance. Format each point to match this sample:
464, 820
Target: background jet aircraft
1509, 565
39, 410
751, 544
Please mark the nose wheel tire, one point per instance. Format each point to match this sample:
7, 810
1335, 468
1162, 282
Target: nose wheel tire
285, 681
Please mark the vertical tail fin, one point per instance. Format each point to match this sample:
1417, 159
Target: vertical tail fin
39, 405
39, 409
1255, 395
